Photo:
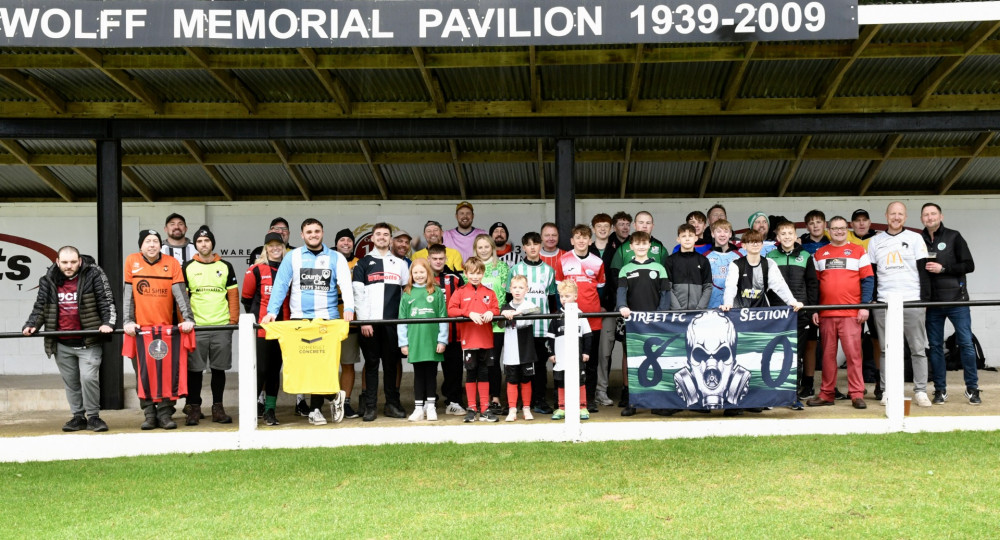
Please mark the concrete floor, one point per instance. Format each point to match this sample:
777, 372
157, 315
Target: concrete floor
45, 392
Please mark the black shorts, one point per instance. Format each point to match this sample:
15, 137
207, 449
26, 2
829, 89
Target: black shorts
519, 373
475, 358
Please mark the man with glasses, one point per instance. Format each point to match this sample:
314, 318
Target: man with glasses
278, 225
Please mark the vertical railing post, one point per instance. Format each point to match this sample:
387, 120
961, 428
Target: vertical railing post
893, 359
247, 376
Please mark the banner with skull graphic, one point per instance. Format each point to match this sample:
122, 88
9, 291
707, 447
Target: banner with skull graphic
712, 360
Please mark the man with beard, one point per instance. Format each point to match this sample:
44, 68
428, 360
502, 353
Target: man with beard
433, 234
177, 246
505, 251
350, 348
463, 236
278, 225
74, 294
401, 245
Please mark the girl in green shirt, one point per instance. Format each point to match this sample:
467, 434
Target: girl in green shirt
423, 344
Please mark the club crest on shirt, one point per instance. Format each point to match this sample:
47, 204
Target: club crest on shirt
486, 299
157, 349
430, 297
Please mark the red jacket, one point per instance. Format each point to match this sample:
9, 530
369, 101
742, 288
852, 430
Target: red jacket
257, 292
472, 299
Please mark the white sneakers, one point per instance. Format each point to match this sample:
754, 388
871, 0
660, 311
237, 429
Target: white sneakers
527, 413
512, 414
602, 399
430, 412
920, 398
455, 409
337, 407
417, 416
316, 418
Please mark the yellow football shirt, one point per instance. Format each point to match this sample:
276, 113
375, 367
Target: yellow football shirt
311, 354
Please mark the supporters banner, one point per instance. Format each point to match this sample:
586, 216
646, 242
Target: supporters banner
712, 360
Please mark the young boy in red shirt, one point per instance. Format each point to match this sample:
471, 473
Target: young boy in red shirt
479, 303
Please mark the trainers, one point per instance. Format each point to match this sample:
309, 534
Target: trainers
591, 407
806, 392
490, 416
584, 414
542, 407
95, 424
973, 395
417, 415
337, 407
260, 409
75, 424
529, 416
454, 409
187, 410
839, 396
269, 418
316, 418
940, 396
602, 399
512, 415
470, 415
302, 408
878, 390
920, 398
496, 408
431, 412
349, 411
559, 414
797, 406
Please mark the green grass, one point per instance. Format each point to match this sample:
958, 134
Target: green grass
849, 486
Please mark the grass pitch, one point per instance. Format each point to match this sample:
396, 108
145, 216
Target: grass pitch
847, 486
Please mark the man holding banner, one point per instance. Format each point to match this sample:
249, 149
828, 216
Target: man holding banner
845, 277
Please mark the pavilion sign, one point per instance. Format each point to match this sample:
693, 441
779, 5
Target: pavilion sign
422, 23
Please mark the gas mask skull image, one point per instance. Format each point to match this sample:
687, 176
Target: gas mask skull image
712, 376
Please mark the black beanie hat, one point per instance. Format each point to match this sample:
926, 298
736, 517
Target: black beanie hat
203, 231
148, 232
343, 233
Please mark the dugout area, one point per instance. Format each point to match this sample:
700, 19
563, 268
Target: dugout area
903, 109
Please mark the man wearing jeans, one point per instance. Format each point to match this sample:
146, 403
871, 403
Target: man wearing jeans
74, 294
948, 261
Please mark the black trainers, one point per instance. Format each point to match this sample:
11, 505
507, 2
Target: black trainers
973, 395
470, 415
940, 396
349, 411
806, 392
269, 418
839, 396
878, 390
592, 407
495, 408
302, 408
542, 407
95, 424
260, 410
490, 416
75, 424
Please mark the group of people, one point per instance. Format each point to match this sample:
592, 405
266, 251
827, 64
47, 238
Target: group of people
170, 287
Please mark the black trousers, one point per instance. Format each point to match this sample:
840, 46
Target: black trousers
540, 382
381, 348
268, 366
451, 369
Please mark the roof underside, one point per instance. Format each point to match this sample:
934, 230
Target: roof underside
893, 69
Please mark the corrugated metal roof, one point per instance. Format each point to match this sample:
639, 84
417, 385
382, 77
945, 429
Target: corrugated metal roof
975, 75
829, 175
283, 85
586, 144
420, 179
9, 92
81, 84
178, 181
930, 140
694, 80
673, 143
58, 146
513, 144
920, 33
180, 85
885, 76
20, 181
912, 174
791, 79
409, 145
320, 146
981, 174
584, 82
747, 176
859, 140
152, 146
235, 146
681, 177
504, 178
485, 84
376, 85
82, 181
327, 180
258, 179
597, 178
743, 142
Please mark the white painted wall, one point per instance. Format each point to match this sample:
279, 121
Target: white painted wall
241, 226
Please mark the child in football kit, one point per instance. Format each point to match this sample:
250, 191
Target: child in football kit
518, 351
479, 303
423, 344
555, 337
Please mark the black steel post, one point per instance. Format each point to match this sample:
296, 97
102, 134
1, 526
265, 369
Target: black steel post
565, 191
109, 255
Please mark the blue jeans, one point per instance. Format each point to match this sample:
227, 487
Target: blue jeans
962, 321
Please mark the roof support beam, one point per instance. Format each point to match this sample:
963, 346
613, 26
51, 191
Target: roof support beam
635, 78
736, 76
706, 174
383, 187
34, 88
333, 84
982, 141
541, 168
793, 167
213, 173
888, 147
431, 82
945, 66
832, 81
138, 184
459, 173
230, 82
122, 78
44, 173
536, 80
293, 170
623, 184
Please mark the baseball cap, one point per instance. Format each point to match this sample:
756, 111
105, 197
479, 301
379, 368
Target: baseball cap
401, 232
273, 237
174, 216
860, 212
465, 204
